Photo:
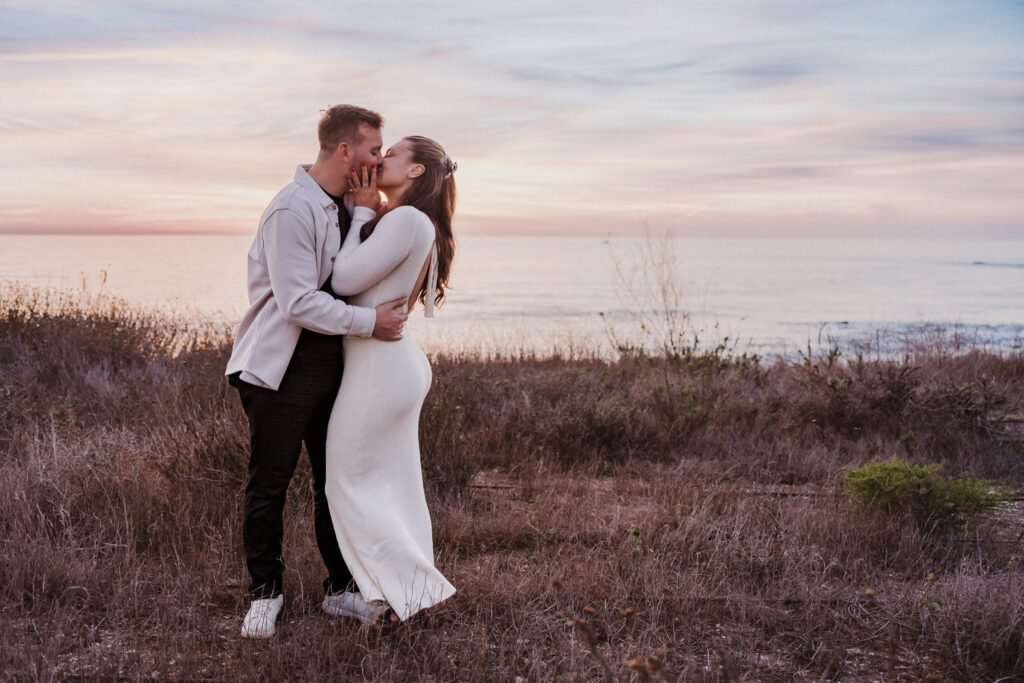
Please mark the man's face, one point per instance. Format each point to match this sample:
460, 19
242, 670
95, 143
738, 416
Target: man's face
367, 150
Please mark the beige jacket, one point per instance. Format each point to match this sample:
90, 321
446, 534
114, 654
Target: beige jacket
290, 259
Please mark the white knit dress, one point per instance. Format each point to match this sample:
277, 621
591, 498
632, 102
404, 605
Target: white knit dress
374, 478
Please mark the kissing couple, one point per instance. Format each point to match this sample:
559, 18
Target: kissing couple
320, 358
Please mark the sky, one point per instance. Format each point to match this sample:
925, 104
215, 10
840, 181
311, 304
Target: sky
739, 118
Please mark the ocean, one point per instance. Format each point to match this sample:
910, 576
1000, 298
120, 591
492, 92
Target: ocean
760, 295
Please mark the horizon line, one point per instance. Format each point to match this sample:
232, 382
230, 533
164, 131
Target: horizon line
699, 234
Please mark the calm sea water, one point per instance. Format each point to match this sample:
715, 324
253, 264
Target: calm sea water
767, 295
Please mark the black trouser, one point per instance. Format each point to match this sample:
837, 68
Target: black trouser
279, 422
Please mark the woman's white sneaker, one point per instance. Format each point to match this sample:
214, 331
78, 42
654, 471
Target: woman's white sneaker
259, 622
351, 604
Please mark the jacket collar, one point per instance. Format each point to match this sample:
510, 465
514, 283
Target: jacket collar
303, 178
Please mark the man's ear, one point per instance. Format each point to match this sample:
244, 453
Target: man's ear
342, 151
416, 171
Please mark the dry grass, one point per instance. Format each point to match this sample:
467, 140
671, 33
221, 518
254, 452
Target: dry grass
651, 518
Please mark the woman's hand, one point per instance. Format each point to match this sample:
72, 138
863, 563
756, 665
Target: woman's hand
364, 189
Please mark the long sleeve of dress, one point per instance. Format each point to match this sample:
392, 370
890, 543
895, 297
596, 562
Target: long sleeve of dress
360, 265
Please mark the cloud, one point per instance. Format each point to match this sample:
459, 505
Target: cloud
565, 117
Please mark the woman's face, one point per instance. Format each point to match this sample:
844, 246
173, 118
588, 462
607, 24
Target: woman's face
398, 166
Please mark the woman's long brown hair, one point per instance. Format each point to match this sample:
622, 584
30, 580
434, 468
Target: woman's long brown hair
434, 195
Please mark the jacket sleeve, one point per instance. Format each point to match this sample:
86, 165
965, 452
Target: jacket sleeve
361, 265
290, 247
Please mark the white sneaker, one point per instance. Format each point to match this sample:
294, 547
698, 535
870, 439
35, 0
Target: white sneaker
350, 604
259, 622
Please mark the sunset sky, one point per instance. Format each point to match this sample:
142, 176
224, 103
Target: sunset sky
819, 117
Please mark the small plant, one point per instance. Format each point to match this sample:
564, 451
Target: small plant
922, 490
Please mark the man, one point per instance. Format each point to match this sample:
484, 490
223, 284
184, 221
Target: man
287, 357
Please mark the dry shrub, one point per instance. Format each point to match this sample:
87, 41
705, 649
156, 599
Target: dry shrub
686, 507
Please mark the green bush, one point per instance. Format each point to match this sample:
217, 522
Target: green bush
922, 490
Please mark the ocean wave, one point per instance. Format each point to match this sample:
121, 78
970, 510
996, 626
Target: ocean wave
990, 264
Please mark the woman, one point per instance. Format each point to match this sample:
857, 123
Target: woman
374, 483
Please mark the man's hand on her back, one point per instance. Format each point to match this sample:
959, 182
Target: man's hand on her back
390, 320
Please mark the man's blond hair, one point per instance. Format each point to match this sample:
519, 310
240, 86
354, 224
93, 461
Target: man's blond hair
340, 123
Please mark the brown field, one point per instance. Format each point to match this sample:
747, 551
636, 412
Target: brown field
676, 517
